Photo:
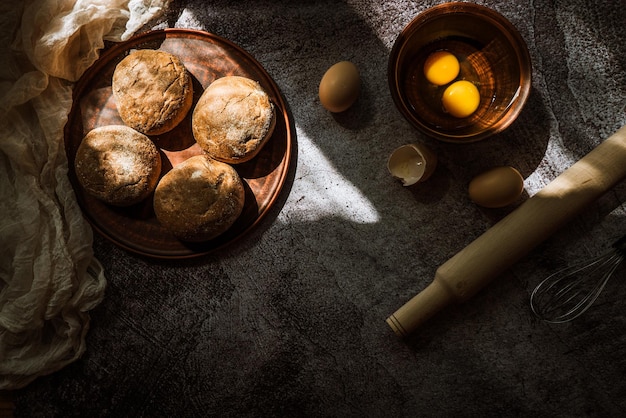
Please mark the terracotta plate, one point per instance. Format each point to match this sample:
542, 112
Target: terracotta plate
207, 57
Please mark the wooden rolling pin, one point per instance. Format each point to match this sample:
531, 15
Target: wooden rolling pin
514, 236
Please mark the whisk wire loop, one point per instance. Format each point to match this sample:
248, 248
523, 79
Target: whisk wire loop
569, 292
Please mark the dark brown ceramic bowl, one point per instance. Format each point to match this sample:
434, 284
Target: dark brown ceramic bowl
492, 54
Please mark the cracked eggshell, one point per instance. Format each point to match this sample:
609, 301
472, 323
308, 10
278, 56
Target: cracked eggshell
412, 163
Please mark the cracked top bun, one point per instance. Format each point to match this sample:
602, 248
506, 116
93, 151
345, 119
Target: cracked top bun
199, 199
117, 165
233, 119
153, 91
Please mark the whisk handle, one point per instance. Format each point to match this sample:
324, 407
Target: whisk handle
515, 235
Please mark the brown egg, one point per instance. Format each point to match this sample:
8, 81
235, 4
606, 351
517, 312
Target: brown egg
340, 87
497, 187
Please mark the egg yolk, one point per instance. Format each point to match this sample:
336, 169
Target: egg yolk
461, 99
441, 67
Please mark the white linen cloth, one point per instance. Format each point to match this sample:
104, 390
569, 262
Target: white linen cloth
49, 278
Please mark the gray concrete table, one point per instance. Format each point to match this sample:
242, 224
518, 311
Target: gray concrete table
290, 320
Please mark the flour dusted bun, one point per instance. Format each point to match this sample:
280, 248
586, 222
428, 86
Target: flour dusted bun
117, 165
153, 91
199, 199
233, 119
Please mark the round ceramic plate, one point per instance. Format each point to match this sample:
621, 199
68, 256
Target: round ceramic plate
207, 57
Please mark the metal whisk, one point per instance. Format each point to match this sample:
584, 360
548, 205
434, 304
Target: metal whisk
568, 293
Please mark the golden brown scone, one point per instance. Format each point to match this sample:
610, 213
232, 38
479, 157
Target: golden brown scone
153, 91
117, 165
199, 199
233, 119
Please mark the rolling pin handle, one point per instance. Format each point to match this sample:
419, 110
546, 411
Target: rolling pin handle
420, 308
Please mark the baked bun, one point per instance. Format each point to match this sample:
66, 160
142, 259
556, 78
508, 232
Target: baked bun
199, 199
153, 91
233, 119
117, 165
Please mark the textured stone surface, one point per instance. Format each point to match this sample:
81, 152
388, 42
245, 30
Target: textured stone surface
290, 320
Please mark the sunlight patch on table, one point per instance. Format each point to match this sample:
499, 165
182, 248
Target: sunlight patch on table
321, 191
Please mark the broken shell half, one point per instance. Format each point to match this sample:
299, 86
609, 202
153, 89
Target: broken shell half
412, 163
